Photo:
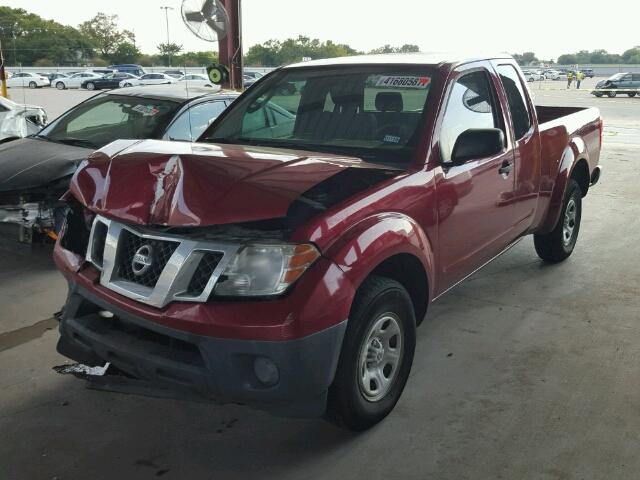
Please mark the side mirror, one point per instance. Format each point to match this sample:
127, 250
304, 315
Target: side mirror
477, 143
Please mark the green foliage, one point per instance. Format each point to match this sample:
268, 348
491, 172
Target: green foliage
590, 57
104, 33
196, 59
525, 59
126, 52
275, 52
406, 48
28, 38
168, 52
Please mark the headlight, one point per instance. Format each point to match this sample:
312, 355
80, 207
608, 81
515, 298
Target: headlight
263, 270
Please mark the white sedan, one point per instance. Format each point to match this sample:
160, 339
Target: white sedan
75, 80
197, 80
532, 76
27, 79
148, 79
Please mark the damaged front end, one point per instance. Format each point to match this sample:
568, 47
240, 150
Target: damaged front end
31, 217
19, 121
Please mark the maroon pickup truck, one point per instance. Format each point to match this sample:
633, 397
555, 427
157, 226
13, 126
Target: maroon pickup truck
285, 260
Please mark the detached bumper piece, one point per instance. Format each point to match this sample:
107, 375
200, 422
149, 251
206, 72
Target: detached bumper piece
288, 378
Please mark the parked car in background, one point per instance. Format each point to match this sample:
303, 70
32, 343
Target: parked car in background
588, 72
555, 75
248, 81
27, 79
101, 71
17, 120
286, 265
109, 81
623, 83
531, 76
76, 80
254, 75
53, 76
197, 79
148, 79
35, 171
131, 68
174, 73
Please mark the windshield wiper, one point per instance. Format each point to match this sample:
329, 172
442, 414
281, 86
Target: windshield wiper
76, 142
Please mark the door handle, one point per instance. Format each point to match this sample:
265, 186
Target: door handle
506, 168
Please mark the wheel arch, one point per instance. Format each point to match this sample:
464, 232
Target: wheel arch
391, 245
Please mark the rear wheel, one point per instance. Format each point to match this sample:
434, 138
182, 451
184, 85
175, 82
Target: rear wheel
632, 94
376, 357
558, 245
60, 86
127, 84
611, 94
33, 85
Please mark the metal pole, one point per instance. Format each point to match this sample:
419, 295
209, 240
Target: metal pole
166, 16
3, 78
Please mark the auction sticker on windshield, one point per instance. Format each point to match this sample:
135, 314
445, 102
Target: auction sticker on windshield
146, 110
403, 81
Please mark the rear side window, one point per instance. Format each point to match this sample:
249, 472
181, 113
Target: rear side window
516, 98
471, 105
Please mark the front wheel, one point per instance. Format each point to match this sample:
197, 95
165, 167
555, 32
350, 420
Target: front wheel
558, 245
33, 85
376, 357
127, 84
611, 94
598, 94
632, 94
60, 86
91, 86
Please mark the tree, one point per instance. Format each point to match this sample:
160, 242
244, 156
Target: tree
104, 32
632, 55
196, 59
273, 53
168, 51
406, 48
28, 38
126, 52
525, 59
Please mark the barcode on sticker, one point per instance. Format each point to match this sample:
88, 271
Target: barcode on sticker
403, 81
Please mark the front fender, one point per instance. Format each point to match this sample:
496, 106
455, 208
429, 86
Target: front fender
573, 153
378, 237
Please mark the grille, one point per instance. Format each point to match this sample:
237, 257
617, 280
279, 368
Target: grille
129, 244
201, 276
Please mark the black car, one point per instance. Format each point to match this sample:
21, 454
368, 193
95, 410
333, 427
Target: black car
624, 83
107, 82
35, 171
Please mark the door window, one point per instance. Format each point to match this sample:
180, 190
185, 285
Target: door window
471, 105
192, 123
516, 98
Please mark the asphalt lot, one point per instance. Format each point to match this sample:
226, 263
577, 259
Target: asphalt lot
525, 371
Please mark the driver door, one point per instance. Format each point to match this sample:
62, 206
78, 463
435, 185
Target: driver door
475, 218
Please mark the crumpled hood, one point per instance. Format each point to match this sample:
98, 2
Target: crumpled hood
30, 162
154, 182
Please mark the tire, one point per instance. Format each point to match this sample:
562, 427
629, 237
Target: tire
530, 79
381, 305
127, 84
631, 94
60, 86
558, 245
33, 85
611, 94
90, 86
598, 94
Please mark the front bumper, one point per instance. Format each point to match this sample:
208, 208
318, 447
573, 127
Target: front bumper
218, 369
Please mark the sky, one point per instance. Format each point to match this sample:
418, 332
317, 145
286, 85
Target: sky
547, 27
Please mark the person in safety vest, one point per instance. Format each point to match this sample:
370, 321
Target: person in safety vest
579, 78
569, 78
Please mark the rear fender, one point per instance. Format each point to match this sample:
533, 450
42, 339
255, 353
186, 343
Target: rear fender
574, 153
377, 238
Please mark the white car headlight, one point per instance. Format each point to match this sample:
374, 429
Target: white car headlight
263, 270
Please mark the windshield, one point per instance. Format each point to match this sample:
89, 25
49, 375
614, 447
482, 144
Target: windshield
103, 119
373, 112
617, 76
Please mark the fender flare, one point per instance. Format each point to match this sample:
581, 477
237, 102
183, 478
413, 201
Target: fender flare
377, 238
572, 155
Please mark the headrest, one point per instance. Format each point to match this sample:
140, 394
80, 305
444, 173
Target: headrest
389, 102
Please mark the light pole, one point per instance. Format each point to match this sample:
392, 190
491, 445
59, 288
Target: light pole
166, 16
